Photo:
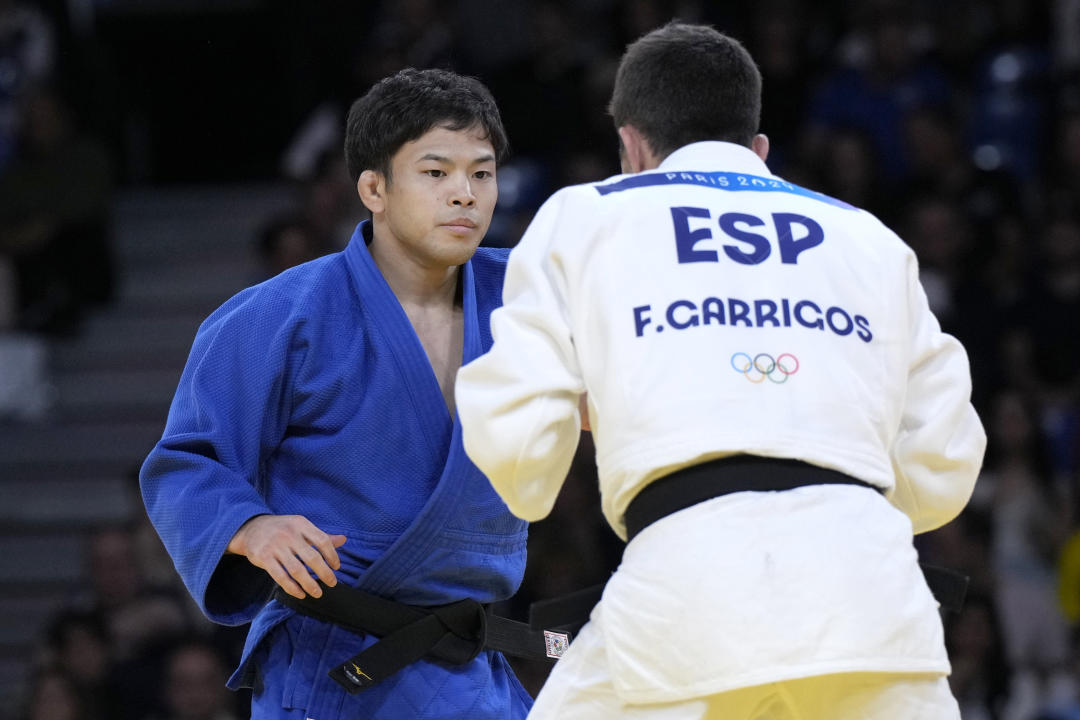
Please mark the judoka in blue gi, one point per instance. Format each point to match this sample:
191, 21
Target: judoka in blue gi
313, 440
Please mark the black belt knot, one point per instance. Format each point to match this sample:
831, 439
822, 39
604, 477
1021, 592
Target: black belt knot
454, 633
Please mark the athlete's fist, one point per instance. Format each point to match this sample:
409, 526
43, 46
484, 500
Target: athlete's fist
289, 548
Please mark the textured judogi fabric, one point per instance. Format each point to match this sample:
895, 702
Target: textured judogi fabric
311, 394
710, 308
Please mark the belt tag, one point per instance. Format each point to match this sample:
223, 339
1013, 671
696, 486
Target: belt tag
357, 676
556, 643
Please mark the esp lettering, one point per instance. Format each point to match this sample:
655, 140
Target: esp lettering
794, 235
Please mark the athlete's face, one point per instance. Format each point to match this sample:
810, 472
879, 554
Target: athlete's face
437, 204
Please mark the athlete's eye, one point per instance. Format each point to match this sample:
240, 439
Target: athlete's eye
435, 173
483, 174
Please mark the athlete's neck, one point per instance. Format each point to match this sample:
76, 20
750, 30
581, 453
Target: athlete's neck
415, 283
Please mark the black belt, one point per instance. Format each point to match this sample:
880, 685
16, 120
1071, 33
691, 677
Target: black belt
454, 633
739, 473
457, 632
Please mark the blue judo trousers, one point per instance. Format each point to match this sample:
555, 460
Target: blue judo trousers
311, 394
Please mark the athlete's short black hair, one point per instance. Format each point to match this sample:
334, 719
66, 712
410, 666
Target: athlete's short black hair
686, 83
402, 107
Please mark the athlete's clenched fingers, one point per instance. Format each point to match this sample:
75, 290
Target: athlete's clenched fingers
313, 558
299, 572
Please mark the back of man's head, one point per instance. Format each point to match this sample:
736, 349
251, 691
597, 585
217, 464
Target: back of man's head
404, 106
683, 83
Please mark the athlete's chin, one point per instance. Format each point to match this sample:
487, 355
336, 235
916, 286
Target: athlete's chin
457, 251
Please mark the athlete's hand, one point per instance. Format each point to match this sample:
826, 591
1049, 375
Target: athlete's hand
583, 407
289, 548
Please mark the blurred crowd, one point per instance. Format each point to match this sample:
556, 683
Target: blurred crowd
957, 123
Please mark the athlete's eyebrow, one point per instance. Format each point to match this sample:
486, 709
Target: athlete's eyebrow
485, 158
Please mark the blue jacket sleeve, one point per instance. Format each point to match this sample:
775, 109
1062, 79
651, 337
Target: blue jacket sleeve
202, 480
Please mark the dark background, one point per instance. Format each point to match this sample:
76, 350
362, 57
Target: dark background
182, 172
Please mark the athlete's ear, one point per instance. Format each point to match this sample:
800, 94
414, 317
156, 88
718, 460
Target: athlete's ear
372, 190
636, 155
760, 146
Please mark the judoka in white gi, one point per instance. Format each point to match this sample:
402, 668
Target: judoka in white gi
708, 309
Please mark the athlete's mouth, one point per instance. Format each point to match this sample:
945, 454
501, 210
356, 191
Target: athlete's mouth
461, 222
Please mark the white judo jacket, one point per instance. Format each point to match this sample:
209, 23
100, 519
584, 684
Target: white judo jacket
709, 308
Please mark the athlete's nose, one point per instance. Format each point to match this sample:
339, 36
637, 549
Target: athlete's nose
462, 194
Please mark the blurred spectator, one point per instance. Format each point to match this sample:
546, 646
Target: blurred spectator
54, 695
990, 301
1030, 521
8, 295
541, 94
330, 203
78, 644
156, 568
1063, 156
980, 675
941, 165
887, 77
414, 33
138, 618
194, 687
27, 58
522, 184
284, 242
1047, 342
321, 132
1007, 102
1066, 25
421, 31
54, 217
134, 612
940, 234
1069, 581
850, 172
1008, 111
25, 391
1055, 307
780, 41
959, 33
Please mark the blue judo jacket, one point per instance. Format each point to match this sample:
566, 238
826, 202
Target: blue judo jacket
311, 394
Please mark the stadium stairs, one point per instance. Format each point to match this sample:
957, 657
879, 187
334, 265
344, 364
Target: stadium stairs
180, 253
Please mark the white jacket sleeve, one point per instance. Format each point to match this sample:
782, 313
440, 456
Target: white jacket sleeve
518, 403
939, 447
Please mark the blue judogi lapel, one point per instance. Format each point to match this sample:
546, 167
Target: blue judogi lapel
392, 568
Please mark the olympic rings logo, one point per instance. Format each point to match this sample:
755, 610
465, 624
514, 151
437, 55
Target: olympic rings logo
761, 366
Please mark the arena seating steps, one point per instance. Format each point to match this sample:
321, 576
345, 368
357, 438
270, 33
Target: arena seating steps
180, 253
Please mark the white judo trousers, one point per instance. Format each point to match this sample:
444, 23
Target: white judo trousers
582, 689
695, 611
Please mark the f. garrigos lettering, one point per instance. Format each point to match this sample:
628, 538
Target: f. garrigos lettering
682, 314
